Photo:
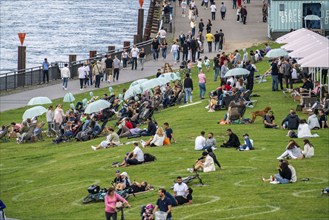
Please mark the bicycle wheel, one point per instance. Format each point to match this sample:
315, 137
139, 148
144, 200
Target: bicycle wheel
88, 199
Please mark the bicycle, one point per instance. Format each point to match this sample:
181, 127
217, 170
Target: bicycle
96, 194
189, 179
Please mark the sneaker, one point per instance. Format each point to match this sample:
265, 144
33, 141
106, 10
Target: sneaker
65, 88
211, 110
93, 147
143, 143
213, 148
207, 107
263, 179
274, 182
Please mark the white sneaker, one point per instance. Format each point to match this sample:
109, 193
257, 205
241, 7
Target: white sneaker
207, 107
143, 143
93, 147
213, 148
274, 182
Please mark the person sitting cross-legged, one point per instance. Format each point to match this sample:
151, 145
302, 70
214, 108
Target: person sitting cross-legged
112, 140
233, 140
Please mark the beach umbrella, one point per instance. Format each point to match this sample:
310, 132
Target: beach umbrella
138, 82
150, 84
236, 72
97, 106
41, 100
275, 53
133, 91
170, 76
33, 112
68, 97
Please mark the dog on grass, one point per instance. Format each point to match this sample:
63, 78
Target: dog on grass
259, 113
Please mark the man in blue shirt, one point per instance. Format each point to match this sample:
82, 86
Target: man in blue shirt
163, 203
45, 67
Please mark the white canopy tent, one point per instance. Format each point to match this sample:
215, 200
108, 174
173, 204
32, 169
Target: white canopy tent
322, 52
308, 51
290, 37
302, 41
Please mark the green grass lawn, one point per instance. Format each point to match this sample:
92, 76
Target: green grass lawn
46, 181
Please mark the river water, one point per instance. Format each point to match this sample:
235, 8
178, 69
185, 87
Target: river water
57, 28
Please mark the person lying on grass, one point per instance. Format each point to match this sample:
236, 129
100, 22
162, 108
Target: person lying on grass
287, 174
140, 187
156, 140
134, 157
112, 140
206, 163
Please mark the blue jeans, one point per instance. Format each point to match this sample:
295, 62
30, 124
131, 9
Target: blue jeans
217, 71
216, 45
175, 54
134, 63
280, 179
155, 53
275, 82
65, 80
202, 87
188, 93
164, 53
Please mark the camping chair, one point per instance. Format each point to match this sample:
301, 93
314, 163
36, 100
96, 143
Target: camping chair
237, 112
3, 135
28, 135
246, 99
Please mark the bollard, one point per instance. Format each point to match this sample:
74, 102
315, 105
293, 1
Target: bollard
92, 54
135, 38
21, 65
111, 48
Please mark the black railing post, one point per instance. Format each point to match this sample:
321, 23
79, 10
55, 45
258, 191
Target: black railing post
6, 82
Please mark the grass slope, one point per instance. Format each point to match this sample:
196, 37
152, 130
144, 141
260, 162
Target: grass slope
46, 181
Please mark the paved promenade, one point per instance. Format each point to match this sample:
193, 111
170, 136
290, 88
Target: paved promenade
237, 36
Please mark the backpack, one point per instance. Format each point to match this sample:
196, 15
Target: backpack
149, 157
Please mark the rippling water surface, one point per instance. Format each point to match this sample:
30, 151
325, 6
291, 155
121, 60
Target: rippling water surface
57, 28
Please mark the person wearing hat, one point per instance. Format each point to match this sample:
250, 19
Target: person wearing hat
205, 162
125, 182
233, 140
248, 143
117, 179
268, 120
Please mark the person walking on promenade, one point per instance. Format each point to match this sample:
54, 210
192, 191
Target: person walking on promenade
216, 37
244, 14
45, 68
201, 25
210, 39
142, 58
185, 49
82, 75
234, 4
213, 10
109, 66
164, 47
192, 24
87, 70
65, 75
97, 71
90, 67
134, 54
217, 66
221, 40
208, 27
116, 68
223, 11
184, 6
103, 67
175, 51
155, 49
124, 57
188, 88
193, 47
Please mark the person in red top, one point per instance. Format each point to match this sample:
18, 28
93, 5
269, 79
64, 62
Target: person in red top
128, 124
228, 86
110, 203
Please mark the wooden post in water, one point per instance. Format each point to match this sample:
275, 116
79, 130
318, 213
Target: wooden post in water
72, 58
135, 38
111, 48
92, 54
140, 25
21, 61
126, 44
